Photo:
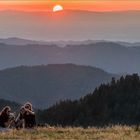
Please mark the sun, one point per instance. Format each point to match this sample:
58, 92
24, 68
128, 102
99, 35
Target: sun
57, 8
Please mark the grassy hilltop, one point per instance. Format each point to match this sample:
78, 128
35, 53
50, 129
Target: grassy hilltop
68, 133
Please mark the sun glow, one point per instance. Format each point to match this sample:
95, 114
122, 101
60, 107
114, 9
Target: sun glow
57, 8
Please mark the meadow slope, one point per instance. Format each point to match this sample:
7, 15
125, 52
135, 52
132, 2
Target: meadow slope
55, 133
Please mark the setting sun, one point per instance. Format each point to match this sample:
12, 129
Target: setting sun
57, 8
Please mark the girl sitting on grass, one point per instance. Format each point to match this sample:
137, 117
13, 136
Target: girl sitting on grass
6, 117
26, 117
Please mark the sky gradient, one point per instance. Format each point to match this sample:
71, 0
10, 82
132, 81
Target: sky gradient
91, 5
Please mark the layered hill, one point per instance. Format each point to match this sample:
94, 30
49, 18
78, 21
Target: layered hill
46, 85
109, 56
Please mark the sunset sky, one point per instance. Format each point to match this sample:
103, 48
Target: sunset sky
92, 5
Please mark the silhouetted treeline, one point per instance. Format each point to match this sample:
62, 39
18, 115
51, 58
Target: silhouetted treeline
115, 103
14, 106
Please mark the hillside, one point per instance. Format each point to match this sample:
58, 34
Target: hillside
114, 103
74, 133
46, 85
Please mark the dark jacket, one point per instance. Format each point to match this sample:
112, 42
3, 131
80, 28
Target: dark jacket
3, 119
30, 120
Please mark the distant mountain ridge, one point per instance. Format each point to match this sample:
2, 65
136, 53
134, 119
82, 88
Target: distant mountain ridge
61, 43
109, 56
17, 41
46, 85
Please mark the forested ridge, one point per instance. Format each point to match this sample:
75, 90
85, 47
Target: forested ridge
117, 102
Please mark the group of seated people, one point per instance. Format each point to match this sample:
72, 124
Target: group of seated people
24, 119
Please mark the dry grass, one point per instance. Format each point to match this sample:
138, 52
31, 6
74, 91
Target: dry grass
55, 133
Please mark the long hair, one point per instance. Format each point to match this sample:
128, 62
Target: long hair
3, 111
28, 104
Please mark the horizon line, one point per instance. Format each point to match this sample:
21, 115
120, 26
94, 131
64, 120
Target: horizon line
46, 41
82, 10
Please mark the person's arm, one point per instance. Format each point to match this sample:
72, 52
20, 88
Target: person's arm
30, 112
9, 123
17, 118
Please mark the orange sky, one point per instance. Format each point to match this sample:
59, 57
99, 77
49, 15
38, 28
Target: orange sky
93, 5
